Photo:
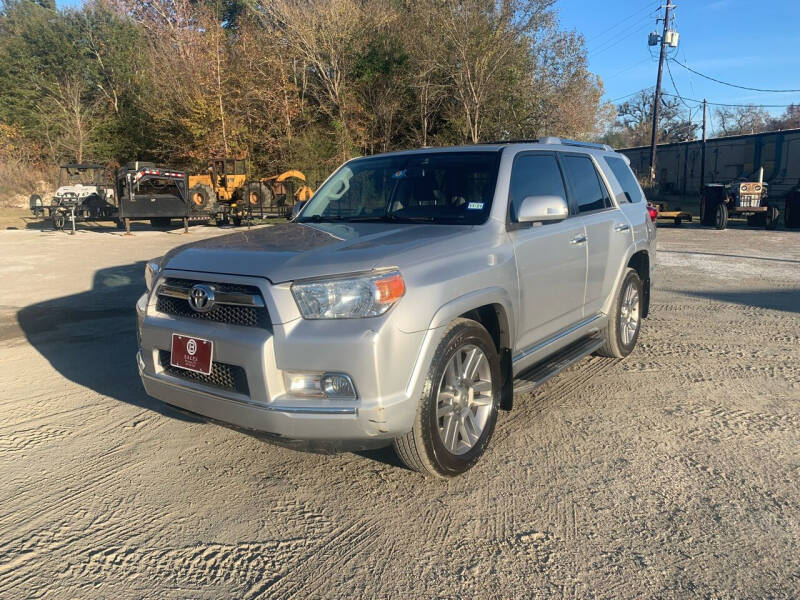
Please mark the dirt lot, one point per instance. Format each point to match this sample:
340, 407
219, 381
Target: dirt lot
672, 474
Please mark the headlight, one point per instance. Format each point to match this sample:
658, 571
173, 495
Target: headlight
151, 270
349, 297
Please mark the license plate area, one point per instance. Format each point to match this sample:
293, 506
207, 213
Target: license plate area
191, 353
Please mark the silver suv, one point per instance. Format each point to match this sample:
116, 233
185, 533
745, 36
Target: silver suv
409, 300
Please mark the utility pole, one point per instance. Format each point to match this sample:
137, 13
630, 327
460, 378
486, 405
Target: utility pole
657, 98
703, 150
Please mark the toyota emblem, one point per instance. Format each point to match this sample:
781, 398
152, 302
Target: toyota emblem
201, 298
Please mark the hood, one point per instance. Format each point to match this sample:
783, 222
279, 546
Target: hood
300, 250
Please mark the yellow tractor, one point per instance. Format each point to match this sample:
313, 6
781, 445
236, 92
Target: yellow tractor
224, 191
224, 186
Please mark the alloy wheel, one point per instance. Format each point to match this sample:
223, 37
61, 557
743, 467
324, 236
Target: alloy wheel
629, 314
464, 400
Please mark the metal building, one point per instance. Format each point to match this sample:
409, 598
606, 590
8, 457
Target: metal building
727, 158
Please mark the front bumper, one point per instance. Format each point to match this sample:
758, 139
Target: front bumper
378, 357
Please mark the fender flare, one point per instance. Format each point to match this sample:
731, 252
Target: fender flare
443, 316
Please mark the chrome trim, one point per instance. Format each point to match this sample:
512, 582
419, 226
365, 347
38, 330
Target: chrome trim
233, 298
579, 239
314, 410
561, 334
622, 227
307, 410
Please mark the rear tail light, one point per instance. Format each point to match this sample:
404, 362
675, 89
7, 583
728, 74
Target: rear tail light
653, 212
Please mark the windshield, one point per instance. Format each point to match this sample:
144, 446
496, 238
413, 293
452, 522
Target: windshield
74, 176
440, 187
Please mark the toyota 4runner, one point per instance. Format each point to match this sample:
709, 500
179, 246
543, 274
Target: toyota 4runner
409, 300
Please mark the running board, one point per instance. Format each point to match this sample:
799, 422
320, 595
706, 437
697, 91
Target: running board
552, 366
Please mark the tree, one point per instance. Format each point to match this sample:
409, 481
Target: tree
742, 119
633, 126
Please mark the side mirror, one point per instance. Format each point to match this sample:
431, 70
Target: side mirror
542, 208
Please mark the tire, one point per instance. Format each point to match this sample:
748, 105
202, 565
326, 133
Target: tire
618, 344
791, 213
424, 448
721, 216
257, 197
705, 218
236, 220
772, 217
202, 198
160, 222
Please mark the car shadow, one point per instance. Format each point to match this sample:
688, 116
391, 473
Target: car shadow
786, 300
90, 337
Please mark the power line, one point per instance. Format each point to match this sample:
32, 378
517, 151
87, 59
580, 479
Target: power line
739, 105
675, 87
686, 99
605, 32
625, 34
626, 69
741, 87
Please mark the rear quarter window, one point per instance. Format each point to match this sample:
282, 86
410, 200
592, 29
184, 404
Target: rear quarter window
627, 181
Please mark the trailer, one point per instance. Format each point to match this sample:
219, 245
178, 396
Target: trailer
149, 192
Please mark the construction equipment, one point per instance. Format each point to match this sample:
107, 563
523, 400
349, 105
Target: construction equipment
225, 192
745, 198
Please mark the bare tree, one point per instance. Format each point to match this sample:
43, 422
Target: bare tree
742, 119
70, 116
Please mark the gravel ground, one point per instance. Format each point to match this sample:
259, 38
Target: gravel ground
672, 474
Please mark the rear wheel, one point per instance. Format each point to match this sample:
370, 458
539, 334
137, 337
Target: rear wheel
772, 217
257, 197
625, 320
706, 218
791, 212
458, 409
202, 198
721, 216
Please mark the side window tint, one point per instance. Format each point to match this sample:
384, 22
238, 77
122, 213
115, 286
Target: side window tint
623, 173
589, 193
535, 175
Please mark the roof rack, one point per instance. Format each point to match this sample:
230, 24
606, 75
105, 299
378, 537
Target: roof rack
555, 140
567, 142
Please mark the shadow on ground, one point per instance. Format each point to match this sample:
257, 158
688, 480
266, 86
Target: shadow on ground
787, 300
90, 337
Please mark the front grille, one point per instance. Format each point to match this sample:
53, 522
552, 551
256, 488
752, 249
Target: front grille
223, 376
232, 314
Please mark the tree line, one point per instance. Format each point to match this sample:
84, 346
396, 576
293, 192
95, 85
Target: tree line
678, 122
288, 83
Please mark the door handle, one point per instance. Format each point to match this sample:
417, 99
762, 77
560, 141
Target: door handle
580, 239
621, 227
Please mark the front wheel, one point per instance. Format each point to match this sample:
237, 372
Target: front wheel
625, 319
458, 409
721, 216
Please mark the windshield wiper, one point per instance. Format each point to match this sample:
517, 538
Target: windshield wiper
321, 219
391, 219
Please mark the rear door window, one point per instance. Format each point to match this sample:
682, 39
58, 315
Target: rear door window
590, 194
626, 179
535, 174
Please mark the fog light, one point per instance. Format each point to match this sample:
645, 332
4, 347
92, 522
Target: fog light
336, 385
320, 385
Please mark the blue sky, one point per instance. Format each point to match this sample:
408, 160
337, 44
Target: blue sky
755, 44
